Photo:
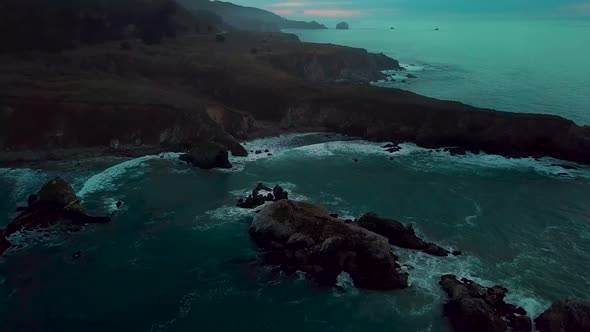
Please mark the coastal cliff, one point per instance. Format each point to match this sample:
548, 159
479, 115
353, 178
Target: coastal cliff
195, 88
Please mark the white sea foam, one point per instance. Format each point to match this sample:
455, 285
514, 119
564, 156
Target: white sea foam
413, 67
273, 145
425, 272
228, 214
345, 284
49, 237
533, 305
105, 180
470, 220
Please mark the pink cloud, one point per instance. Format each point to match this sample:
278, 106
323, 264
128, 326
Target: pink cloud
288, 4
283, 12
332, 12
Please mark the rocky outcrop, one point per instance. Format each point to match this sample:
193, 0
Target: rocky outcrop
332, 63
472, 307
342, 26
207, 155
4, 243
256, 198
570, 315
400, 235
302, 236
55, 204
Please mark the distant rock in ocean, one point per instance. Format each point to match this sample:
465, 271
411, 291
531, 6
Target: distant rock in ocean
342, 26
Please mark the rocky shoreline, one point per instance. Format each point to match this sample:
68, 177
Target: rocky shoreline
194, 89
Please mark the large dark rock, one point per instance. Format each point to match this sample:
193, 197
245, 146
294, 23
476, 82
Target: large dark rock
207, 155
56, 191
279, 193
56, 203
302, 236
570, 315
342, 26
238, 150
400, 235
472, 307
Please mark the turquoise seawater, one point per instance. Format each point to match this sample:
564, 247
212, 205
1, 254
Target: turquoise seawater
177, 256
516, 65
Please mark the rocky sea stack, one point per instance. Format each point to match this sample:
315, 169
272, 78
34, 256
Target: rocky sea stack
342, 26
207, 155
302, 236
55, 204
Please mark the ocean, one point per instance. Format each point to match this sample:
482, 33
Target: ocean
177, 256
513, 65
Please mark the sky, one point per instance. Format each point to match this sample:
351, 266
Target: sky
379, 9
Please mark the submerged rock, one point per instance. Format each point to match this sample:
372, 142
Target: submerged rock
472, 307
56, 203
392, 147
570, 315
301, 236
207, 155
400, 235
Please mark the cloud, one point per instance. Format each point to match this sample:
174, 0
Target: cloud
316, 9
332, 12
288, 5
284, 12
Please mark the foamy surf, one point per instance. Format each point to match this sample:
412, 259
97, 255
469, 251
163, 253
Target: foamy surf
105, 181
230, 213
425, 272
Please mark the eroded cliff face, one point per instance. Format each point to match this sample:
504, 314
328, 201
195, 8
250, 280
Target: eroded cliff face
45, 125
382, 115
